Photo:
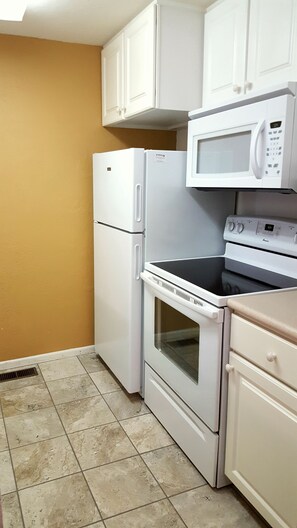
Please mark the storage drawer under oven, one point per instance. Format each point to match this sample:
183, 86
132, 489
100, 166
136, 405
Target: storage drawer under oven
192, 435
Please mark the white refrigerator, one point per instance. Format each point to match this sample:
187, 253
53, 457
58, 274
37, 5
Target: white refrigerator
143, 212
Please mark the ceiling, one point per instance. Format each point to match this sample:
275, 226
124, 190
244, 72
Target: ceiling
81, 21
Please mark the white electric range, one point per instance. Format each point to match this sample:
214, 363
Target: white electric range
187, 327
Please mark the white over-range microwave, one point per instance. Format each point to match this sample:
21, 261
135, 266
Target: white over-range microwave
251, 144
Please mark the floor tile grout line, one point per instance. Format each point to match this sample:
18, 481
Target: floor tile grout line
116, 421
139, 507
65, 434
76, 458
15, 480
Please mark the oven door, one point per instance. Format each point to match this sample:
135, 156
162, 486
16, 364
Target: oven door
183, 344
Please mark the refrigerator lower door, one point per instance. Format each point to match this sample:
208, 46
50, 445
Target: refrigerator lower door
118, 302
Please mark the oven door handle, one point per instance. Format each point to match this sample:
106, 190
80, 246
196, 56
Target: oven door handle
206, 311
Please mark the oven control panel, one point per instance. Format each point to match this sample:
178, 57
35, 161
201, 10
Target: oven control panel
274, 234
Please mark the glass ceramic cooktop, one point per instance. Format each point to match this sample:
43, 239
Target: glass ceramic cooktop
224, 277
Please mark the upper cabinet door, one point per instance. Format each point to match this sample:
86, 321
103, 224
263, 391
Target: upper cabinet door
139, 75
112, 80
225, 44
272, 53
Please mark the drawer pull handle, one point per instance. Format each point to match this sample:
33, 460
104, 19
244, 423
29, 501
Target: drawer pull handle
229, 368
271, 356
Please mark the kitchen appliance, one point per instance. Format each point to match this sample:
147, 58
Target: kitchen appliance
142, 208
248, 144
187, 326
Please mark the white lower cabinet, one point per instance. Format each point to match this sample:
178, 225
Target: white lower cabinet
261, 444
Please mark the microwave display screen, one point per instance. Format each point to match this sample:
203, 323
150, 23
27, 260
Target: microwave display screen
275, 124
224, 154
269, 227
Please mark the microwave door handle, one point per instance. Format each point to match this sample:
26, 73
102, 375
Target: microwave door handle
256, 168
203, 310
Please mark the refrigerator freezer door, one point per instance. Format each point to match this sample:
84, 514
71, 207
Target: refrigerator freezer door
118, 189
181, 222
118, 261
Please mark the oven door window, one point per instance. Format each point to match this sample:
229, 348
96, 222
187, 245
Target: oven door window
177, 337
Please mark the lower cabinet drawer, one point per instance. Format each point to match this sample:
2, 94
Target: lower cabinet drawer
193, 437
268, 351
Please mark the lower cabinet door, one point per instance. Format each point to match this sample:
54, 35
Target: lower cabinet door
261, 446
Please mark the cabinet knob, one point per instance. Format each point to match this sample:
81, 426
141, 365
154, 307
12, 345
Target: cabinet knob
118, 110
271, 356
248, 85
229, 368
236, 88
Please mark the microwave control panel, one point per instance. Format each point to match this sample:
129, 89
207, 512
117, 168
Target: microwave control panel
273, 234
274, 148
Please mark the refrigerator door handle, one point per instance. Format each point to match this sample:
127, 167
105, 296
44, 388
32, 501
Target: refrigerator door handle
138, 202
137, 261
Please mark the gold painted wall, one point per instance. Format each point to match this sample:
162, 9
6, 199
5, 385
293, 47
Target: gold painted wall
49, 127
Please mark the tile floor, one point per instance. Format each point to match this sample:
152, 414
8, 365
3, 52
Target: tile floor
77, 451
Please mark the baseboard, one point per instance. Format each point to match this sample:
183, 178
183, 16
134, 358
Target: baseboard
41, 358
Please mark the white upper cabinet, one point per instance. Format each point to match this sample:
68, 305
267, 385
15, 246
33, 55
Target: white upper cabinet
248, 45
149, 77
112, 64
225, 50
139, 39
272, 51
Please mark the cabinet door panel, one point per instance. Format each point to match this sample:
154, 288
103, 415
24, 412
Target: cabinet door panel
112, 88
139, 72
225, 51
261, 453
272, 50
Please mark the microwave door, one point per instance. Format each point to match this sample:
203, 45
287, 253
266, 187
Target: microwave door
223, 158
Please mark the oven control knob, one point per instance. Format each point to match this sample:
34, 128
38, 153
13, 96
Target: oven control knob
231, 226
240, 228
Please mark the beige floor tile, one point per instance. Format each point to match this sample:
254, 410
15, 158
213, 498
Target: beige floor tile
1, 415
70, 389
91, 362
7, 482
21, 382
3, 439
43, 461
122, 486
157, 515
206, 508
26, 399
86, 413
101, 445
65, 502
104, 381
61, 368
12, 517
173, 470
146, 433
124, 405
33, 427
